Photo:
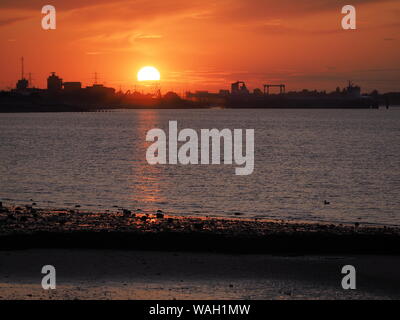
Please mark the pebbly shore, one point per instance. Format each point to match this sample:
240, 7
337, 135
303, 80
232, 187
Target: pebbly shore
30, 227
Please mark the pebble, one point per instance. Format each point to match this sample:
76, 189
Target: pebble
127, 212
198, 226
160, 215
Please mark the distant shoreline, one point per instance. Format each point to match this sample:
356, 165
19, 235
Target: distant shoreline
49, 110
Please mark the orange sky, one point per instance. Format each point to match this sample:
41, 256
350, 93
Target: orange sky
204, 44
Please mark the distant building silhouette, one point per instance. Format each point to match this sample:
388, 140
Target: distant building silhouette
100, 90
72, 96
72, 87
54, 83
22, 84
239, 87
353, 91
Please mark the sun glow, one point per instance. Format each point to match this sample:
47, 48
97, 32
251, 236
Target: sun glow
148, 74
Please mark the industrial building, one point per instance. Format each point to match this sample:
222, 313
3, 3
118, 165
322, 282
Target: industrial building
54, 83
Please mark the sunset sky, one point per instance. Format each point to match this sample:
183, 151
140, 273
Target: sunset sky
204, 44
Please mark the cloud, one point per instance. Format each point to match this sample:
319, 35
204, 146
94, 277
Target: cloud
109, 10
5, 22
148, 37
280, 29
256, 10
59, 4
232, 10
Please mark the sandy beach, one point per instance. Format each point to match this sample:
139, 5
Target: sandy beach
124, 274
135, 255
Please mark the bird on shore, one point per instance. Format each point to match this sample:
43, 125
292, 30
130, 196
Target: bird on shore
326, 202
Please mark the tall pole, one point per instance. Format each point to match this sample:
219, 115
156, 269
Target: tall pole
22, 67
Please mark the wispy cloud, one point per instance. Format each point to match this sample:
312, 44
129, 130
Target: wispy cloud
8, 21
148, 37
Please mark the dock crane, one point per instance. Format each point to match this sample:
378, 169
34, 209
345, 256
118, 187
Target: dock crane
282, 88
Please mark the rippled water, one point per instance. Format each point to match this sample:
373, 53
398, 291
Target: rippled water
350, 158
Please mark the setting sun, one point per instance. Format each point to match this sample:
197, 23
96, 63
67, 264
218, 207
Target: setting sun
148, 74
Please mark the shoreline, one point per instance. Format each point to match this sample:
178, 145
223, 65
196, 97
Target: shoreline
77, 110
126, 255
27, 227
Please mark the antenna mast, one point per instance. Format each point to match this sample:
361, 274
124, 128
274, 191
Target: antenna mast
30, 79
22, 67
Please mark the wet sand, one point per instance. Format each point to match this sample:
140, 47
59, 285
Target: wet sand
136, 255
124, 274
